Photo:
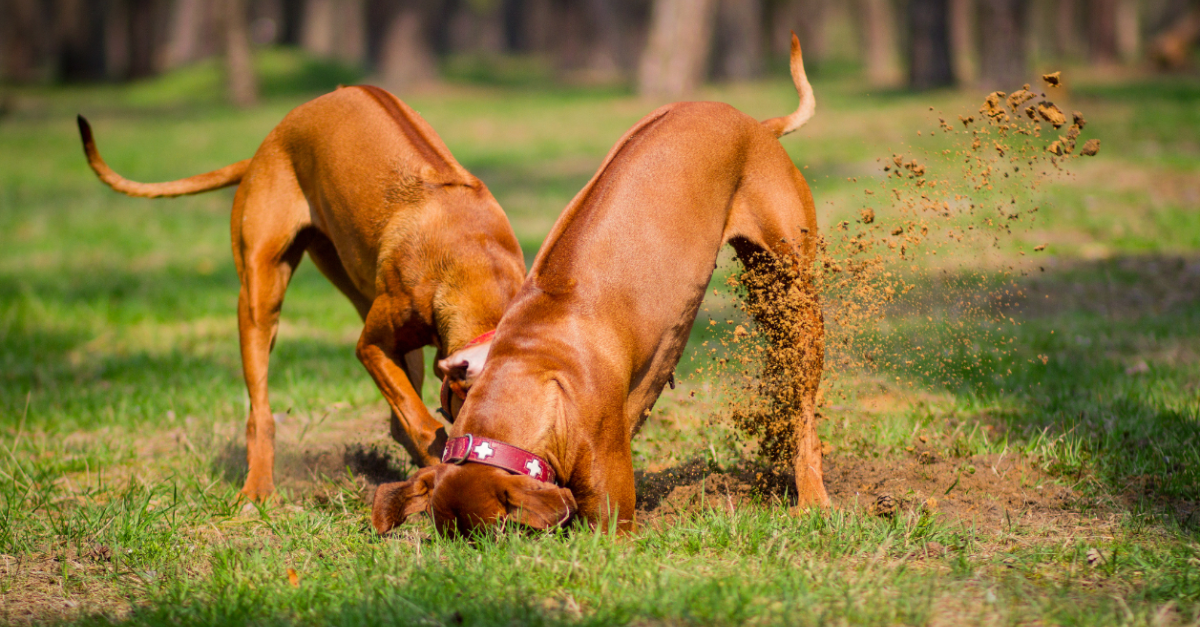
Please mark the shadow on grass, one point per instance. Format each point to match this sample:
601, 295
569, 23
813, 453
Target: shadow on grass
118, 345
374, 465
1103, 369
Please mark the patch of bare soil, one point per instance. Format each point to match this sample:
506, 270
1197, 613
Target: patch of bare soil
987, 492
695, 486
38, 593
319, 455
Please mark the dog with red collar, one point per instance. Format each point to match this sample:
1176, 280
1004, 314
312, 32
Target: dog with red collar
596, 330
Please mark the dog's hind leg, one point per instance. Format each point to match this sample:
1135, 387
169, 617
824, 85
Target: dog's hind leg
270, 215
776, 241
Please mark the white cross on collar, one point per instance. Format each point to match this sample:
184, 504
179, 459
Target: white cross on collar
534, 468
484, 451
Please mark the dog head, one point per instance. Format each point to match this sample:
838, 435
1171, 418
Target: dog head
471, 497
460, 370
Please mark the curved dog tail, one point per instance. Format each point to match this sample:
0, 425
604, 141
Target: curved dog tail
224, 177
808, 104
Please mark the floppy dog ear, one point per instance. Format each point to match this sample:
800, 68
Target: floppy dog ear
465, 365
536, 503
395, 502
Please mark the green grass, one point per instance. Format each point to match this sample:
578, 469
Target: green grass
121, 400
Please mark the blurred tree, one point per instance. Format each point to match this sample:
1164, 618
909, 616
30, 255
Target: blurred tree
1002, 59
191, 33
606, 58
738, 39
810, 20
515, 35
1129, 30
335, 29
877, 34
1171, 49
476, 26
350, 41
405, 50
963, 44
147, 20
929, 63
676, 55
589, 40
25, 50
316, 27
239, 64
1066, 30
1102, 31
79, 30
292, 13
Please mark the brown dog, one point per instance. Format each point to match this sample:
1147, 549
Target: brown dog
419, 246
596, 330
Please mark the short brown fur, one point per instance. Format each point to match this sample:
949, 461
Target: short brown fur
361, 183
600, 323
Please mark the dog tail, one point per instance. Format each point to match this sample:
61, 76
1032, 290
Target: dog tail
224, 177
808, 104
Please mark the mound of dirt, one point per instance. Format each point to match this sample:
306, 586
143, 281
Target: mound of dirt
987, 492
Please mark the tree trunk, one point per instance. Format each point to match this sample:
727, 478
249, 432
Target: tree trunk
290, 29
25, 50
192, 32
537, 26
268, 20
116, 40
350, 40
1002, 44
929, 59
1171, 50
145, 26
606, 59
476, 28
79, 31
335, 29
317, 27
1066, 29
739, 39
405, 55
513, 14
963, 46
877, 29
239, 63
673, 64
1102, 31
1129, 35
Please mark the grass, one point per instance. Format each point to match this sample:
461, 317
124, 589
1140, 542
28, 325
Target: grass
121, 398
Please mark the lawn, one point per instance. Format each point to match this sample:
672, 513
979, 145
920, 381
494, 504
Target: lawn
1032, 416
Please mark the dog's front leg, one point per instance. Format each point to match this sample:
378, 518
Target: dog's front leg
382, 351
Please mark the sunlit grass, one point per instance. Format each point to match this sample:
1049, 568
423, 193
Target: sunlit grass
121, 396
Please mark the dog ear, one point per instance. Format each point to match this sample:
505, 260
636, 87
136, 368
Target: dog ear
465, 365
537, 504
395, 502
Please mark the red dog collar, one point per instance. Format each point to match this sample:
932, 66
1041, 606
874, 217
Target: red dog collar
448, 387
471, 448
